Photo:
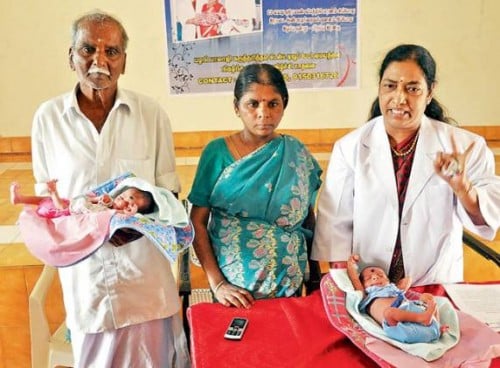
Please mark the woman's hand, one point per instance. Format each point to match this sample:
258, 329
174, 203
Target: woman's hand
231, 295
451, 167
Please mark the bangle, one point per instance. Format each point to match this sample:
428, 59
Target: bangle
218, 286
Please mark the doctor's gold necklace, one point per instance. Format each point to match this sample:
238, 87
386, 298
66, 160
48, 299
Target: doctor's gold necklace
408, 150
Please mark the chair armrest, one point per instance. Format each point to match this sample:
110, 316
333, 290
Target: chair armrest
184, 280
184, 273
312, 279
481, 248
39, 325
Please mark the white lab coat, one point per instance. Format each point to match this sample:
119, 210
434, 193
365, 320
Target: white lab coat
358, 205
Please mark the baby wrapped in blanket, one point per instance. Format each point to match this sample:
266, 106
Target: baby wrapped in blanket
354, 298
404, 320
62, 241
468, 342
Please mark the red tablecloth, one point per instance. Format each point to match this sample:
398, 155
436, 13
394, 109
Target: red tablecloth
282, 333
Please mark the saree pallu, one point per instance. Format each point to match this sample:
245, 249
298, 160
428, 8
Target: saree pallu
259, 204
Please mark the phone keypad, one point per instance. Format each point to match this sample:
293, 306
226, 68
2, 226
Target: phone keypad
233, 331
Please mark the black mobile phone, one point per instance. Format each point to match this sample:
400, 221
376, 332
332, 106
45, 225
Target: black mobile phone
236, 328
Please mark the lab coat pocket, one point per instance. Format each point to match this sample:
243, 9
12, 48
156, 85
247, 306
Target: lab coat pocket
439, 200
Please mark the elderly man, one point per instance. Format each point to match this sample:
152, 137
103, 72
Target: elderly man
121, 302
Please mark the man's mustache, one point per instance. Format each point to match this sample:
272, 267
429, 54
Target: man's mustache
97, 69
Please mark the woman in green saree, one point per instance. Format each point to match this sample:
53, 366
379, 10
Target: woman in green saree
253, 197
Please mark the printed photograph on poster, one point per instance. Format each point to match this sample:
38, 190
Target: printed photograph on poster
313, 42
199, 20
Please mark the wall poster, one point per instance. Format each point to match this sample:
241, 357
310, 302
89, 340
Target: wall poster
313, 42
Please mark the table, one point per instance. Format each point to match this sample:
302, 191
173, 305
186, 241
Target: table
282, 333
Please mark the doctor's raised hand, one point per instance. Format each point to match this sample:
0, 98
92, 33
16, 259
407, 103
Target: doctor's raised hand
452, 167
390, 198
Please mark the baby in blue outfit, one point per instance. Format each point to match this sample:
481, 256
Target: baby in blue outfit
407, 321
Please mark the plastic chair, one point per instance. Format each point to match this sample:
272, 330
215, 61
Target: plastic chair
47, 350
51, 350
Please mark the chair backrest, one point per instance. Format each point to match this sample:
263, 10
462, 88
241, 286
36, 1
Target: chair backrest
47, 350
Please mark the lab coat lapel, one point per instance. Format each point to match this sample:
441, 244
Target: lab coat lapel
423, 168
380, 159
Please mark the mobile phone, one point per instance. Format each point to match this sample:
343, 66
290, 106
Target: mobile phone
236, 328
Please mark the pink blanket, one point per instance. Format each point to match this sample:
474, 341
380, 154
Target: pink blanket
66, 240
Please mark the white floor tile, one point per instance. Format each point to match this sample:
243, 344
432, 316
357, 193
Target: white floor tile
10, 234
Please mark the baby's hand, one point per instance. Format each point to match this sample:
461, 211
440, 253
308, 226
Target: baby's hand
52, 186
106, 200
352, 263
353, 259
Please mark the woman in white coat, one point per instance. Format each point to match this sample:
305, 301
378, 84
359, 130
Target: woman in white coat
400, 189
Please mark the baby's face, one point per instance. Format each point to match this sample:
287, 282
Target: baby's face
128, 198
374, 276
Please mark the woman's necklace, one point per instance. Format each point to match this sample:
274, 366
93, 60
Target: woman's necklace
242, 147
408, 151
235, 146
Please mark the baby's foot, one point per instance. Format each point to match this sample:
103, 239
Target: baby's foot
430, 311
14, 193
426, 297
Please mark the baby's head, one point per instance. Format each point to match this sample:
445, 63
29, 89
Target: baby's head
373, 276
133, 196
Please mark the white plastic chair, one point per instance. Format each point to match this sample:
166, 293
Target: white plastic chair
47, 351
